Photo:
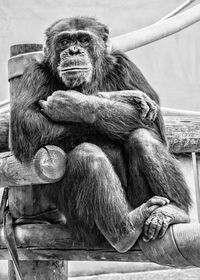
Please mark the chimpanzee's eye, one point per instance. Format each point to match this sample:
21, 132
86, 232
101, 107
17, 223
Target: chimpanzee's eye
63, 42
84, 40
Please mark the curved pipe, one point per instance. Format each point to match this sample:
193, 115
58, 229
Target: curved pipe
179, 247
178, 9
177, 112
157, 30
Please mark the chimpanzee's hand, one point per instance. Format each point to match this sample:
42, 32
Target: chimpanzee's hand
158, 222
64, 106
146, 107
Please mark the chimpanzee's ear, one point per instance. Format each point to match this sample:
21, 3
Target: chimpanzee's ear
107, 39
105, 33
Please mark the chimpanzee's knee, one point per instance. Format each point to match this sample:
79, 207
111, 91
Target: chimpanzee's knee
142, 140
86, 157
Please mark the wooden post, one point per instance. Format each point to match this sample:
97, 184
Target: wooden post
25, 200
4, 119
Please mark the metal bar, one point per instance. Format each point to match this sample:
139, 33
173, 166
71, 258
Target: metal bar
178, 9
196, 183
4, 103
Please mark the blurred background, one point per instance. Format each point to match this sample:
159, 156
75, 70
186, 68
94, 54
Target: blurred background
171, 65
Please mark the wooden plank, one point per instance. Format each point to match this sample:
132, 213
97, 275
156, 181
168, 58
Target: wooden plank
28, 254
4, 124
17, 64
27, 201
50, 242
24, 48
183, 133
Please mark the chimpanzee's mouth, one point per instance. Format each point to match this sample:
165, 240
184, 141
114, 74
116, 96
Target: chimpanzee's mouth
74, 69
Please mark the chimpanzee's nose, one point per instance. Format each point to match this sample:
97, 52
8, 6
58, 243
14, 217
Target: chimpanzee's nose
73, 50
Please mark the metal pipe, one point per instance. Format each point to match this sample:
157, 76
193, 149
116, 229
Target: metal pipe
156, 31
179, 247
178, 9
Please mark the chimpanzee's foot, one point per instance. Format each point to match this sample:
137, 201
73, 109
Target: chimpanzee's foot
135, 221
158, 222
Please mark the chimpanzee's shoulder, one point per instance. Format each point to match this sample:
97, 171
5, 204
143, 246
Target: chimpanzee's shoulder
122, 61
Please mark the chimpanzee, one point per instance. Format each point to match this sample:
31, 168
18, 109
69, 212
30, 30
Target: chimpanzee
96, 105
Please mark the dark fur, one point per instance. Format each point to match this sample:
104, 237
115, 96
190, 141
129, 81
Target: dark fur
91, 190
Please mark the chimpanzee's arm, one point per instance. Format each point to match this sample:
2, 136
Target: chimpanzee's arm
147, 108
116, 119
132, 78
29, 128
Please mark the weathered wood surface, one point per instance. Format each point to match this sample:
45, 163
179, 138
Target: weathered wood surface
54, 242
48, 166
25, 201
4, 124
51, 270
180, 246
17, 64
183, 132
24, 48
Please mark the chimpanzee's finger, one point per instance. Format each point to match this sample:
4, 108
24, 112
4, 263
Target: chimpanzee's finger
144, 109
152, 228
146, 228
157, 200
152, 111
155, 112
158, 227
164, 228
42, 104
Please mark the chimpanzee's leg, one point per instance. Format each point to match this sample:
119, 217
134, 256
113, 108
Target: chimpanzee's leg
95, 198
153, 169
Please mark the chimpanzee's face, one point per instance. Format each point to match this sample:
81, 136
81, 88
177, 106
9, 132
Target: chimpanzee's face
74, 50
75, 66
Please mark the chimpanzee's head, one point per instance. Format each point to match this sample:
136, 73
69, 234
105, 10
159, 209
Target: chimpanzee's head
75, 47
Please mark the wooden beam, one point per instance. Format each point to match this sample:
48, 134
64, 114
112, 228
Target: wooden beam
182, 129
4, 129
50, 242
183, 134
48, 166
180, 246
